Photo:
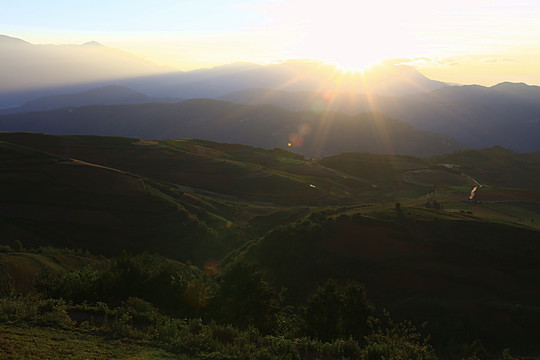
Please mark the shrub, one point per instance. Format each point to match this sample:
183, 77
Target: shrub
396, 341
246, 299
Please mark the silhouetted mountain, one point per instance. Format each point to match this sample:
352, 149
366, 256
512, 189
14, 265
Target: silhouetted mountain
293, 75
32, 71
310, 133
519, 90
8, 40
350, 103
29, 71
108, 95
506, 114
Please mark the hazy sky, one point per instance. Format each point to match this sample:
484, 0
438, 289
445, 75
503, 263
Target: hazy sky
462, 41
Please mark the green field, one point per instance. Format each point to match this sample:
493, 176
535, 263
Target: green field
19, 342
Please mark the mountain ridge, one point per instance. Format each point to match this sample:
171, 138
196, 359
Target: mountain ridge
310, 133
106, 95
43, 68
506, 114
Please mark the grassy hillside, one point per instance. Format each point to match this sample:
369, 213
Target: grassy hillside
496, 166
20, 342
49, 200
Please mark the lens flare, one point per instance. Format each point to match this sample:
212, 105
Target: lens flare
318, 105
296, 140
326, 95
211, 267
304, 129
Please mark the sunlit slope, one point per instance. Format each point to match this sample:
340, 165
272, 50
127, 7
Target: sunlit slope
19, 270
393, 177
310, 133
490, 167
50, 200
464, 276
496, 166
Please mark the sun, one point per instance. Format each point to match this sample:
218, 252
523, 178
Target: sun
350, 34
347, 56
350, 64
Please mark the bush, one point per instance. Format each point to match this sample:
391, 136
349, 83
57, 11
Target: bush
332, 313
77, 286
5, 249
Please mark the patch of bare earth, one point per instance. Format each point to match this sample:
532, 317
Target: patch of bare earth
372, 242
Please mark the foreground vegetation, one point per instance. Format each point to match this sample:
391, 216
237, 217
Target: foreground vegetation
34, 327
146, 306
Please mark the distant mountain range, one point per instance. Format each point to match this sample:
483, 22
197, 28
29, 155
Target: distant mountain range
32, 71
108, 95
292, 75
48, 77
507, 114
310, 133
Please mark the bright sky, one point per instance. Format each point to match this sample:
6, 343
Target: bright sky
461, 41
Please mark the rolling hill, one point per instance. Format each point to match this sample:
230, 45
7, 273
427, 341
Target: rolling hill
51, 200
496, 166
230, 171
469, 268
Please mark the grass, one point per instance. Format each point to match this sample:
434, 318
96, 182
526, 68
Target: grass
522, 214
31, 342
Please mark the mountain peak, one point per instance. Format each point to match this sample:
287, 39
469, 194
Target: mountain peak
8, 40
508, 84
93, 43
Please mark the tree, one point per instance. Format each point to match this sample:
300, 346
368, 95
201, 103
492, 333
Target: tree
322, 316
18, 246
246, 299
356, 310
477, 350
